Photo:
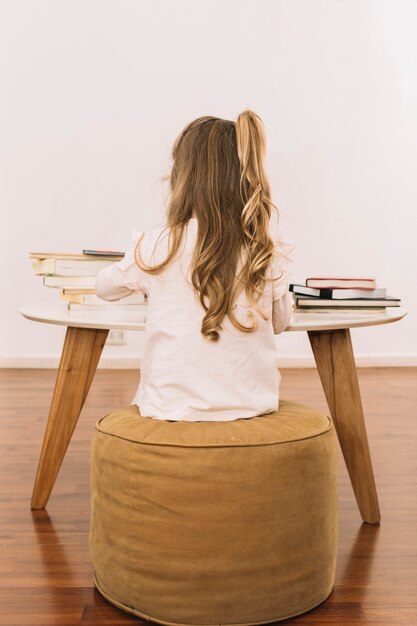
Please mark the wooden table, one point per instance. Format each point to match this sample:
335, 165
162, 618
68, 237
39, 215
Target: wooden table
329, 335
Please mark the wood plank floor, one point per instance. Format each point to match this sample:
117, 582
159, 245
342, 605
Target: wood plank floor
45, 571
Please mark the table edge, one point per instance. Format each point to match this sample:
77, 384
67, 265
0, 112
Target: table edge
139, 326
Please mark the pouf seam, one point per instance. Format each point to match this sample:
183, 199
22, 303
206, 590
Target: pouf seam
132, 610
215, 445
130, 534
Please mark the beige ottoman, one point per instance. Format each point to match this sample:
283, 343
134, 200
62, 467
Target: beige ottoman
215, 522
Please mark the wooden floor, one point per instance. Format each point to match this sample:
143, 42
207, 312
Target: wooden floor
45, 571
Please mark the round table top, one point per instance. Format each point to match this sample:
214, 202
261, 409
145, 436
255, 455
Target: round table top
328, 319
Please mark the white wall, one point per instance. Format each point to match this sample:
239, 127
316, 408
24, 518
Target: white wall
94, 93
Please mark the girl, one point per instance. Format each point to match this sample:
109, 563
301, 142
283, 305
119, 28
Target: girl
215, 278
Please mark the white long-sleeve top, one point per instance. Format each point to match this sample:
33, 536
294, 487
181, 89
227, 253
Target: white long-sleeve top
184, 376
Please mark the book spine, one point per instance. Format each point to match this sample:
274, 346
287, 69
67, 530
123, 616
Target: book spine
326, 293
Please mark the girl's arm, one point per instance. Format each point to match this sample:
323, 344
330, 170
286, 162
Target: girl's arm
123, 278
282, 312
282, 300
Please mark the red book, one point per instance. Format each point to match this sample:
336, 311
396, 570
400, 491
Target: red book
341, 282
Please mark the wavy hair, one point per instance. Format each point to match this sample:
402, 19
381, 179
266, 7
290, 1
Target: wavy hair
218, 176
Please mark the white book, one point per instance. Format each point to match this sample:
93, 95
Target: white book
339, 294
312, 302
338, 312
108, 306
69, 267
62, 282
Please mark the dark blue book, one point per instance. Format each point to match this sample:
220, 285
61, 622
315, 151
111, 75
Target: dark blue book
107, 253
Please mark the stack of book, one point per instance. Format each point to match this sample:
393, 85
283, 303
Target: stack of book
341, 294
75, 277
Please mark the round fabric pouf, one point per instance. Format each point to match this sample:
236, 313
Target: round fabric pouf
214, 523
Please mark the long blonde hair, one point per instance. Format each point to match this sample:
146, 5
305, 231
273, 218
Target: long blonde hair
218, 176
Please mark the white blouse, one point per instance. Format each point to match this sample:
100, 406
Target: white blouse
183, 375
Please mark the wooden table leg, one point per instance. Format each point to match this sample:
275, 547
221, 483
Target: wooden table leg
79, 359
333, 353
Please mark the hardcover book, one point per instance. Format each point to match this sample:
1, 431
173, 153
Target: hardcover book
335, 282
336, 294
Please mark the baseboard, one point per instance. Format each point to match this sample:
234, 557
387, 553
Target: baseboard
52, 362
283, 362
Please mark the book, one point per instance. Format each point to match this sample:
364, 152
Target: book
336, 282
308, 302
107, 253
63, 282
76, 292
336, 294
92, 299
69, 267
362, 311
74, 256
109, 306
